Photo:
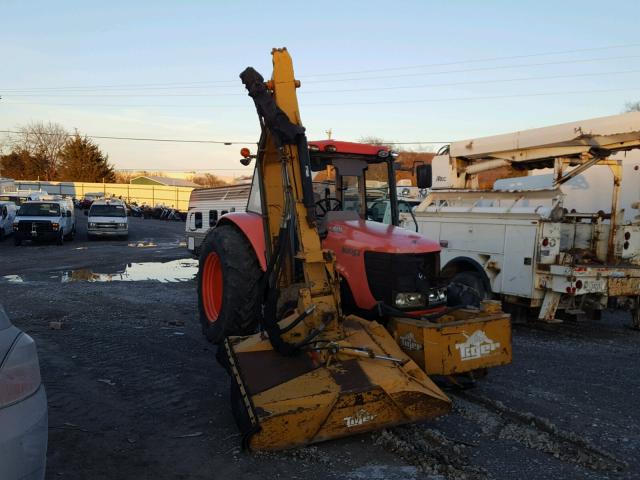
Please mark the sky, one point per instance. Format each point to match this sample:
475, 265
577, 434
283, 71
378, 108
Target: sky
404, 71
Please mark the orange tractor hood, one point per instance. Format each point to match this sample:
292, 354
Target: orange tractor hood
376, 237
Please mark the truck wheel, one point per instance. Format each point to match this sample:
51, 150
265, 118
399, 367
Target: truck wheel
228, 284
466, 288
60, 240
635, 315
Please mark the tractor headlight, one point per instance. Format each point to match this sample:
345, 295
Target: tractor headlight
410, 300
437, 296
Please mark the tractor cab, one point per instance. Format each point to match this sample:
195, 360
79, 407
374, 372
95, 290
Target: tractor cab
354, 177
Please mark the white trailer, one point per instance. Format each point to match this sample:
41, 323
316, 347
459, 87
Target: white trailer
572, 245
207, 205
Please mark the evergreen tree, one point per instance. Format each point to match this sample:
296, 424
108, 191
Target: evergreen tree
21, 165
82, 161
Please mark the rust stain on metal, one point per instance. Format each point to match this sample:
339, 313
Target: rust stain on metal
620, 287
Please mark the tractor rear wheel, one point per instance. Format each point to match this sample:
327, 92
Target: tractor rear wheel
228, 284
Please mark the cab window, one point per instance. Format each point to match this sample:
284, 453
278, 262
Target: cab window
213, 217
377, 195
351, 193
255, 203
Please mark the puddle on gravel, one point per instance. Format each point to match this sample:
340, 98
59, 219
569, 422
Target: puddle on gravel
143, 244
152, 244
173, 271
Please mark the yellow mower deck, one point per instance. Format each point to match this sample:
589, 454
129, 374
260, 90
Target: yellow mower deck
291, 401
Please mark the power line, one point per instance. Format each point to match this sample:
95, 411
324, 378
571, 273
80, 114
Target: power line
425, 142
487, 59
128, 85
383, 102
203, 141
475, 82
488, 97
306, 92
185, 170
141, 139
222, 83
478, 69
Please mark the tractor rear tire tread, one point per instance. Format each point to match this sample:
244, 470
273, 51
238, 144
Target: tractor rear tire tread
241, 273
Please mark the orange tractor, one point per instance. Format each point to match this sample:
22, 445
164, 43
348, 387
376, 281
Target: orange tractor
382, 267
294, 289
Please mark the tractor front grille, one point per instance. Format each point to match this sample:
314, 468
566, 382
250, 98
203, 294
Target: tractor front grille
389, 273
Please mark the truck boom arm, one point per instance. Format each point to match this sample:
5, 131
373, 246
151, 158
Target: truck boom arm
289, 219
584, 142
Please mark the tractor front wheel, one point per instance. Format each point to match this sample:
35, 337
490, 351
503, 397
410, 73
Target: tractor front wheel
467, 288
228, 284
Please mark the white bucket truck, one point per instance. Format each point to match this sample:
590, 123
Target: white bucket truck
565, 248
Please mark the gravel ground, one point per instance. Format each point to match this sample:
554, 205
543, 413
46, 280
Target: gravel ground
135, 392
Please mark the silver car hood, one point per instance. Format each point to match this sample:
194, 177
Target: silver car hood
8, 334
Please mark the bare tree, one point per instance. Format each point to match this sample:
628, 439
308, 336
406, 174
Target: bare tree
4, 144
123, 176
373, 140
208, 180
42, 140
632, 107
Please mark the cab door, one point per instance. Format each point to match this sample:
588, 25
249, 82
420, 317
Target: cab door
519, 260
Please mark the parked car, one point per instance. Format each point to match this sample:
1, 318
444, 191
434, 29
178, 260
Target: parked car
7, 215
107, 218
23, 406
45, 220
133, 210
89, 198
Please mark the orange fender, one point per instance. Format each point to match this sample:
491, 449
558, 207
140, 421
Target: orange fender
251, 225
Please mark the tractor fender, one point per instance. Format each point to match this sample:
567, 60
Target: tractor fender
250, 224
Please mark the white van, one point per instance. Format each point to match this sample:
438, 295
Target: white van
7, 215
52, 219
107, 218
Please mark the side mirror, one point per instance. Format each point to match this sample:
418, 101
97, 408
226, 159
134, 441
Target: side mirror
86, 213
424, 176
